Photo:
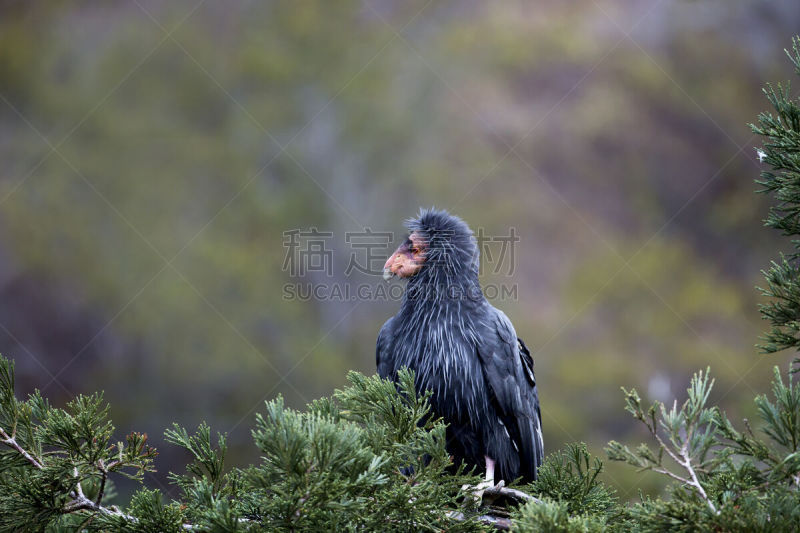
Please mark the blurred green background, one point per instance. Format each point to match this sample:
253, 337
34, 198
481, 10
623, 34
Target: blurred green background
154, 154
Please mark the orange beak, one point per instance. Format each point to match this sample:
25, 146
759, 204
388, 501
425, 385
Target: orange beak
389, 267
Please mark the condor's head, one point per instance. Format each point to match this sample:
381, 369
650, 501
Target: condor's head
439, 247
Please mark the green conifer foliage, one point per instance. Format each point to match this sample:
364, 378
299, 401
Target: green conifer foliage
370, 458
781, 134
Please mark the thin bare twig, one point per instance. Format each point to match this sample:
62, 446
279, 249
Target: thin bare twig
103, 476
687, 464
671, 474
12, 443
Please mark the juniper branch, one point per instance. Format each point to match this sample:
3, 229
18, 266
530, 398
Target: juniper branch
9, 441
689, 442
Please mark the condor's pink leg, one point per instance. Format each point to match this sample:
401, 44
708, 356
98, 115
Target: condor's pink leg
489, 472
488, 480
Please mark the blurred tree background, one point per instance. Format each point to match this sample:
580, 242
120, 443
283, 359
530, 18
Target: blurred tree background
154, 155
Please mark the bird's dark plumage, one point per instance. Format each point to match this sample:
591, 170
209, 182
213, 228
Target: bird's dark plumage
462, 349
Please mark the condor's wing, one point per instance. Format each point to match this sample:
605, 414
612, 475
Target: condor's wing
383, 359
508, 370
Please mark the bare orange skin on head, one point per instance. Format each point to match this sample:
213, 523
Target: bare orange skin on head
407, 259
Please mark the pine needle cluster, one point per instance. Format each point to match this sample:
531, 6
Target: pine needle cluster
370, 458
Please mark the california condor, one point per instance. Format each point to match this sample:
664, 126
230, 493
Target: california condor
462, 349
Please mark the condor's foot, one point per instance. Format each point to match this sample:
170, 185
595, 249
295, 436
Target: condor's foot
488, 482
